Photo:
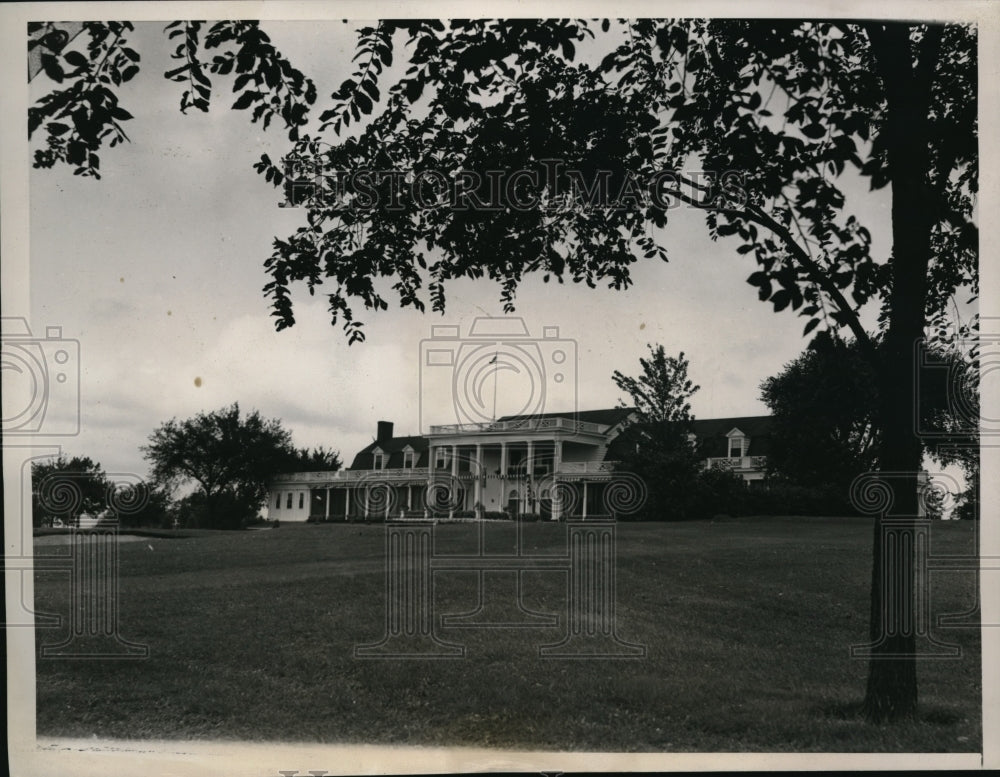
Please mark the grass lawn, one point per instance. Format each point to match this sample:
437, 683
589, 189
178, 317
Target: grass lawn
747, 625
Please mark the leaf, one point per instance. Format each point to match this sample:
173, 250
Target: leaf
813, 323
52, 68
814, 131
77, 59
413, 90
55, 128
245, 100
781, 299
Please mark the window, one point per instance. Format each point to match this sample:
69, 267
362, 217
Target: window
378, 459
735, 447
440, 458
277, 502
408, 459
288, 503
302, 497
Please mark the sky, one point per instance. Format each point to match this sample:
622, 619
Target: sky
157, 271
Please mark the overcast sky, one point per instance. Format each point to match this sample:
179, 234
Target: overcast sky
157, 270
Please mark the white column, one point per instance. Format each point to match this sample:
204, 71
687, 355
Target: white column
503, 460
366, 502
454, 478
584, 498
431, 463
347, 502
409, 496
478, 490
326, 507
530, 471
556, 465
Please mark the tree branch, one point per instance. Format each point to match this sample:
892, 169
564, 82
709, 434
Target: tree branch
811, 267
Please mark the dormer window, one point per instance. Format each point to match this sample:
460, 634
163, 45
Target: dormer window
737, 443
409, 458
378, 459
440, 458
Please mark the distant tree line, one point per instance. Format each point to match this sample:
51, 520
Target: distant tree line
209, 471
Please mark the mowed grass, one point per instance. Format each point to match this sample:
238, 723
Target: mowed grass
747, 625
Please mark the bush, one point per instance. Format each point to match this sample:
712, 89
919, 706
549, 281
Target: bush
717, 492
778, 497
227, 511
713, 492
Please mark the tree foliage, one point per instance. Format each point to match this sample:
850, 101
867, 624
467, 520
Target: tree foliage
321, 459
65, 488
825, 408
784, 107
230, 458
661, 393
824, 405
655, 441
84, 114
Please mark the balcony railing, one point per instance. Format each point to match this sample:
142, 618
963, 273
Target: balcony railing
350, 475
521, 425
738, 462
575, 467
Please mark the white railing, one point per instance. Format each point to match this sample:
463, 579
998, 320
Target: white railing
576, 467
521, 425
347, 476
350, 475
737, 462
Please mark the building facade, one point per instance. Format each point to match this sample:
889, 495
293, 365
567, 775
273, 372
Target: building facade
553, 465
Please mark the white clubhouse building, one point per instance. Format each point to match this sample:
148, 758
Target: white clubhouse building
555, 465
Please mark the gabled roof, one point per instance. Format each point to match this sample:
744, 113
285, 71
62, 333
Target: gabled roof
750, 425
710, 436
393, 448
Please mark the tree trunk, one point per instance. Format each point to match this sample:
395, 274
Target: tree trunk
892, 677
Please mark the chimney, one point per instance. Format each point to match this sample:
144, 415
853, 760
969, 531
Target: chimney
384, 431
